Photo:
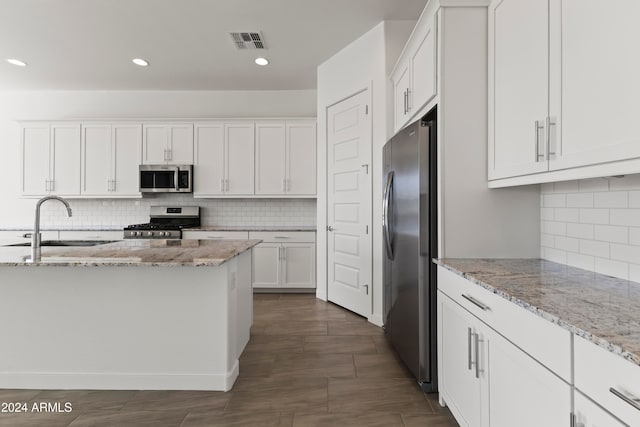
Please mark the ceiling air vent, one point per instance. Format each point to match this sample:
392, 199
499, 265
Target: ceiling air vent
248, 40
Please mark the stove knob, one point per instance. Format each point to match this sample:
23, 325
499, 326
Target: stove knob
137, 233
150, 233
162, 233
132, 233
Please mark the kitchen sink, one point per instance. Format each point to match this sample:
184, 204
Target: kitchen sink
67, 243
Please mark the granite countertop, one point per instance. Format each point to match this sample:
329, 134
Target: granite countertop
602, 309
254, 228
137, 253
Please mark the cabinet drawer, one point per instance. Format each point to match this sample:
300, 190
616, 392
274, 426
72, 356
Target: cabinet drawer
597, 371
284, 236
91, 235
549, 344
216, 235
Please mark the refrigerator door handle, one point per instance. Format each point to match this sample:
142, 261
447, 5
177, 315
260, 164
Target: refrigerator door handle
386, 229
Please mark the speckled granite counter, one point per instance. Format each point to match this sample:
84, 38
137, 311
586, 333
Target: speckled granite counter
602, 309
255, 228
144, 253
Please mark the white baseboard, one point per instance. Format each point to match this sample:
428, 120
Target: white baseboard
118, 381
376, 319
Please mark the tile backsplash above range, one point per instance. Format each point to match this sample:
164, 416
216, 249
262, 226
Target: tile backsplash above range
593, 224
106, 214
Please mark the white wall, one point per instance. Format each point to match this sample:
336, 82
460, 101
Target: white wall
476, 222
593, 224
45, 105
362, 64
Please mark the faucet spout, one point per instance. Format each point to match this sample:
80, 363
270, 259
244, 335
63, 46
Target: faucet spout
36, 254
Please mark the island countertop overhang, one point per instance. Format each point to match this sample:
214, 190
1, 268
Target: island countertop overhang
142, 253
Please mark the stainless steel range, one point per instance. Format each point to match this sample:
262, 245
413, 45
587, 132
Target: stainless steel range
166, 222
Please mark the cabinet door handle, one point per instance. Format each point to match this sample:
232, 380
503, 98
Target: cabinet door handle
222, 185
405, 102
469, 334
284, 185
227, 186
477, 303
633, 401
52, 185
477, 342
408, 100
551, 150
538, 126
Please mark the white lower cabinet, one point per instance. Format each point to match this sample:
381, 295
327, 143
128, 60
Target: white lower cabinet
608, 380
284, 260
485, 379
461, 378
588, 414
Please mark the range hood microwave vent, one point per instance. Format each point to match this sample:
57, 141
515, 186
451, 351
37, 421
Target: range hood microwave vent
249, 40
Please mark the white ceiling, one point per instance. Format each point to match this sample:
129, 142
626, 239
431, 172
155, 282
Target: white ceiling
89, 44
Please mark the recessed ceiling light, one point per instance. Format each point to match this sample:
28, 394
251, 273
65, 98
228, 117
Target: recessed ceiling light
141, 62
262, 61
17, 62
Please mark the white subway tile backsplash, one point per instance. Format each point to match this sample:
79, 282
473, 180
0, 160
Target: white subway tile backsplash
547, 240
611, 233
547, 187
612, 268
565, 187
567, 244
119, 213
555, 228
594, 184
634, 272
629, 217
546, 214
627, 182
592, 247
554, 255
580, 200
586, 262
567, 214
607, 227
628, 253
594, 216
554, 200
582, 231
611, 199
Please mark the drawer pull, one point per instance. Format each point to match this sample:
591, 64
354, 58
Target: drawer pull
633, 401
469, 334
280, 237
215, 237
477, 303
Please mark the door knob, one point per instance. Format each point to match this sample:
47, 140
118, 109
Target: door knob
329, 228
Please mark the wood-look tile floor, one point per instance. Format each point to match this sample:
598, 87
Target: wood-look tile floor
308, 363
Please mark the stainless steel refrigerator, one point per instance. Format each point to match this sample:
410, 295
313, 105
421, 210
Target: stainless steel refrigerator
410, 242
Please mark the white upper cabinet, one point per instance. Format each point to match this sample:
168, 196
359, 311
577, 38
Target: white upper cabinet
270, 158
223, 159
239, 158
301, 158
50, 159
110, 158
209, 160
563, 90
167, 143
518, 87
35, 146
286, 158
596, 73
414, 78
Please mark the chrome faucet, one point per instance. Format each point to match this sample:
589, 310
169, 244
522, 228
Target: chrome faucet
35, 239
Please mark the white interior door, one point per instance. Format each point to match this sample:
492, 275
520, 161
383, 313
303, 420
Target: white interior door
349, 204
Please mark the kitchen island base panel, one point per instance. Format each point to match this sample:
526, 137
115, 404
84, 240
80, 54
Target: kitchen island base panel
153, 328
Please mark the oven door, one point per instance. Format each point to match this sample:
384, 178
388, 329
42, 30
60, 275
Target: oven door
166, 178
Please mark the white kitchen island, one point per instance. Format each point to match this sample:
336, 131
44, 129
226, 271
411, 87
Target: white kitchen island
154, 315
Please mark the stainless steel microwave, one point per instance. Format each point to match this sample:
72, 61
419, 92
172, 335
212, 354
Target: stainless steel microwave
166, 178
